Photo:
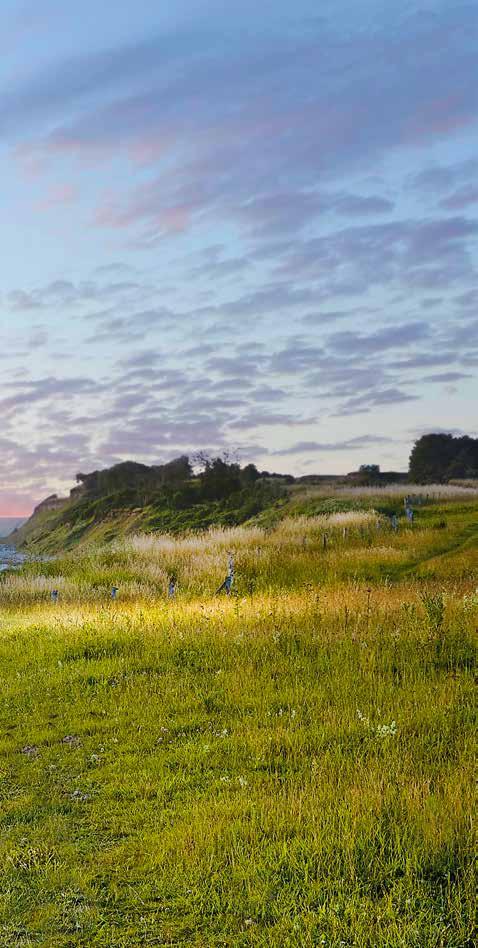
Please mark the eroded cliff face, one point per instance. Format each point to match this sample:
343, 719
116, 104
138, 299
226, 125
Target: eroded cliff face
53, 502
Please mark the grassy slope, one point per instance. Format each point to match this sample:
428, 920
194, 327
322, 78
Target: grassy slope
291, 767
94, 522
49, 531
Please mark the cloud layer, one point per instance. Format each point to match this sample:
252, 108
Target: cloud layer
254, 231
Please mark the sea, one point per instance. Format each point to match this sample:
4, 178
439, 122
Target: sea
8, 555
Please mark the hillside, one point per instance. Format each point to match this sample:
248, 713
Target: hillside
131, 498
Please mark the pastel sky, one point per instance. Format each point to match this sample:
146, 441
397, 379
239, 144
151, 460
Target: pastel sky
246, 226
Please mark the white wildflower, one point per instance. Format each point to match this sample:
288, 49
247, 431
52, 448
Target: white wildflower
386, 730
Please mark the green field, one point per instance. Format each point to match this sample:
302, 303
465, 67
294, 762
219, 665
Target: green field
289, 766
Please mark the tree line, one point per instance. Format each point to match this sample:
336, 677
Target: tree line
180, 483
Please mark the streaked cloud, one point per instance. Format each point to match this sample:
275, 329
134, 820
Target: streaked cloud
254, 229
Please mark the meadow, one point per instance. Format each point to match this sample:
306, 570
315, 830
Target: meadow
289, 766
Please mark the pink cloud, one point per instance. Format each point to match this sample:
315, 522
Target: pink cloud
16, 504
439, 118
168, 220
58, 196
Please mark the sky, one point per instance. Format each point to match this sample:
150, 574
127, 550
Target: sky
244, 227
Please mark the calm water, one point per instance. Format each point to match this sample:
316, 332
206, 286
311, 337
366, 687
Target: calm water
10, 557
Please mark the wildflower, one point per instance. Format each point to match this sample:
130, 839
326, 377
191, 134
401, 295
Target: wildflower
386, 730
80, 796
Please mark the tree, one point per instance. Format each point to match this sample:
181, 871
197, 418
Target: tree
372, 469
177, 470
436, 458
249, 475
219, 478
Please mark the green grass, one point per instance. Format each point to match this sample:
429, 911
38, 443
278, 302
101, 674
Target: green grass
292, 766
